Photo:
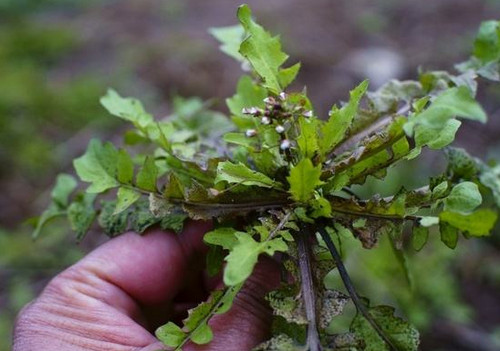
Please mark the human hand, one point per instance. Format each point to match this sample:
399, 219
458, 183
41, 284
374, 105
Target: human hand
115, 297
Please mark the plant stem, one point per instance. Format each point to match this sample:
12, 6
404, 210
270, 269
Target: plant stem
346, 279
308, 290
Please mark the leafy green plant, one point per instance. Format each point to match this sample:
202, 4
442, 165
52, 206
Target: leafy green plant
286, 176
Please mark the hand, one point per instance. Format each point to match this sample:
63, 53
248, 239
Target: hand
115, 297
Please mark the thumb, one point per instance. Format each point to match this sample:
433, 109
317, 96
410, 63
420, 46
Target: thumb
248, 322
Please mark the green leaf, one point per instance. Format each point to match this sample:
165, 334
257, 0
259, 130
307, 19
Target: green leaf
308, 138
335, 129
419, 237
478, 223
321, 208
65, 185
303, 180
264, 53
202, 335
146, 178
439, 190
196, 328
460, 163
174, 221
463, 198
453, 102
125, 167
52, 212
240, 174
487, 44
112, 224
402, 334
449, 234
240, 139
125, 197
81, 214
437, 138
224, 236
230, 39
170, 334
98, 166
244, 255
248, 94
490, 177
129, 109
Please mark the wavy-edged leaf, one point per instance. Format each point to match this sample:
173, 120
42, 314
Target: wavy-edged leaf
335, 129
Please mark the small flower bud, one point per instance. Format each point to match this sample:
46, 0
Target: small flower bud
285, 144
283, 95
307, 114
269, 100
280, 129
249, 111
214, 192
251, 133
265, 120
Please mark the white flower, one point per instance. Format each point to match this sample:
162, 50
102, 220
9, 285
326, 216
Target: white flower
265, 120
251, 133
285, 144
280, 129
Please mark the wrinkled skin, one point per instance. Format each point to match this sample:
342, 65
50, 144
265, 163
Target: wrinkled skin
115, 297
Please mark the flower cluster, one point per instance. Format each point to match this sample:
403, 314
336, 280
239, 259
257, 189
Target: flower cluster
278, 112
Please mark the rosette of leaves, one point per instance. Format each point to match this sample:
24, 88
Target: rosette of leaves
276, 178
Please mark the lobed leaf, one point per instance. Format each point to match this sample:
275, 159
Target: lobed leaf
264, 54
98, 166
304, 178
244, 255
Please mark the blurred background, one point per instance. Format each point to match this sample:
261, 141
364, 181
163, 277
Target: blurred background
57, 57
